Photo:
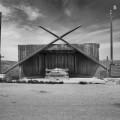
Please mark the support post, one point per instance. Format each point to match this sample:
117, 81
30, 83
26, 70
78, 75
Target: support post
0, 41
111, 38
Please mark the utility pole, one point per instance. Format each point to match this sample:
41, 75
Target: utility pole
111, 37
0, 41
111, 34
111, 40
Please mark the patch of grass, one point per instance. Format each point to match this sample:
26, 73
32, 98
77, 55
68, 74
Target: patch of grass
44, 82
33, 81
13, 74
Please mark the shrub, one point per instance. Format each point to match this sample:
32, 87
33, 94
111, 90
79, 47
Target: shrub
82, 82
41, 82
53, 82
21, 82
33, 81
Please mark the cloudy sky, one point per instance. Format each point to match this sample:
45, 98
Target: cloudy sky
21, 19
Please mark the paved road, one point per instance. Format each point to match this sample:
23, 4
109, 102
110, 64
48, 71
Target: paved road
59, 102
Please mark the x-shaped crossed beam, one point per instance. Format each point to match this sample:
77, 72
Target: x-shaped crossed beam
61, 38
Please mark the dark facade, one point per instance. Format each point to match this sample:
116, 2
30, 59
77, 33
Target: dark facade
59, 56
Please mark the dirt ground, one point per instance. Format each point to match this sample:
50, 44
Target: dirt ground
59, 102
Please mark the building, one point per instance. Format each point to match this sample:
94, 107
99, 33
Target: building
82, 60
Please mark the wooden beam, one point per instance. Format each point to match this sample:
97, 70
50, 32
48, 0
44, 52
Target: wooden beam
22, 61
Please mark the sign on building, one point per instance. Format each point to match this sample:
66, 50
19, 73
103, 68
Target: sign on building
114, 70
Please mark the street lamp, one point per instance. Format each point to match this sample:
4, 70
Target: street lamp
111, 34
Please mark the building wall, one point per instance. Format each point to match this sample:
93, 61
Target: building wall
59, 57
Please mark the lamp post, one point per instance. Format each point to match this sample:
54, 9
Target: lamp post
111, 34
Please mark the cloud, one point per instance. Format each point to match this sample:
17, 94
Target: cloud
13, 34
31, 12
18, 30
64, 2
68, 12
5, 10
97, 33
105, 50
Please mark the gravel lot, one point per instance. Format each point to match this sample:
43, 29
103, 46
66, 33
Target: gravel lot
59, 102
